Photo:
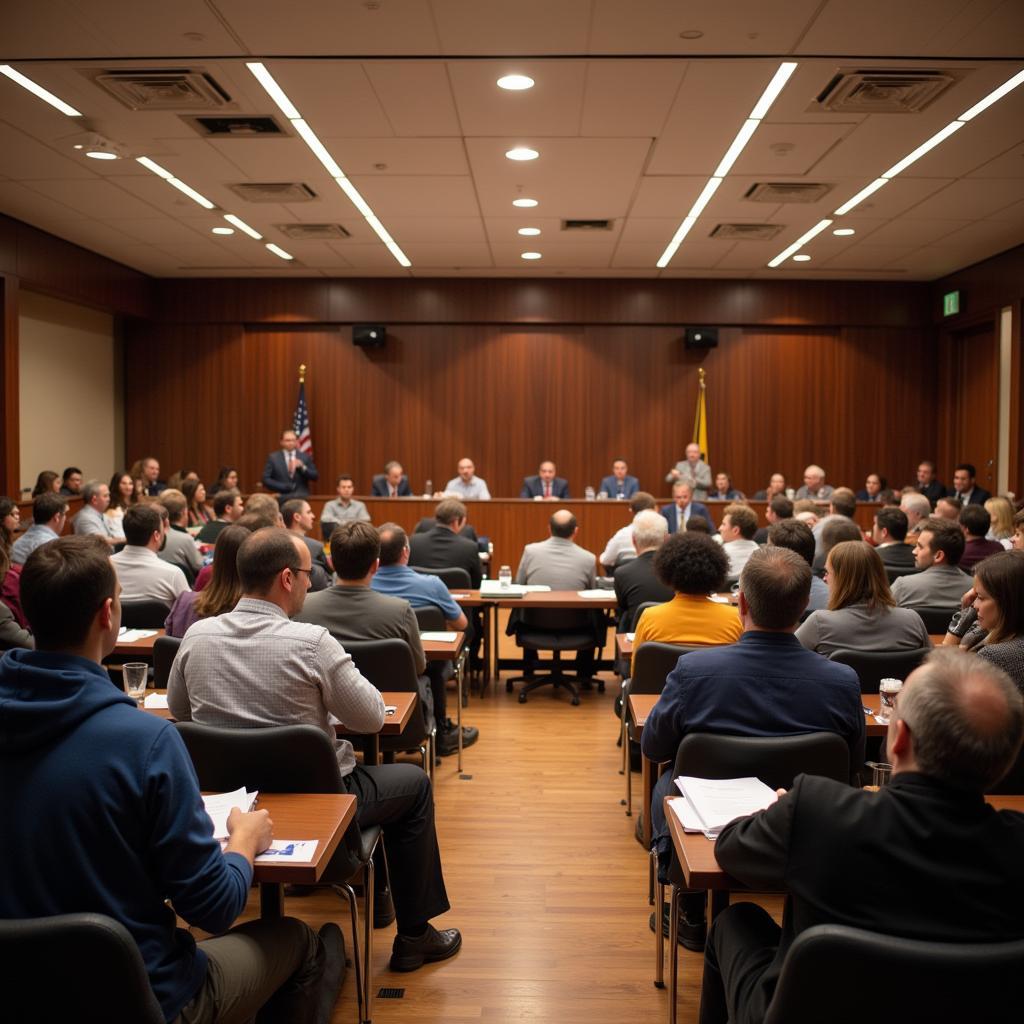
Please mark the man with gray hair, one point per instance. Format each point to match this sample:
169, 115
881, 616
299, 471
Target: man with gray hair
917, 508
90, 518
636, 581
814, 486
955, 732
621, 542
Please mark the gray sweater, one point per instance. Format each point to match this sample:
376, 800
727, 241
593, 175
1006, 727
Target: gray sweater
855, 628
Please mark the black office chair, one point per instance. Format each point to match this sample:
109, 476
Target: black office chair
776, 761
872, 666
454, 578
295, 759
895, 572
165, 650
81, 966
430, 619
389, 665
848, 975
936, 620
143, 614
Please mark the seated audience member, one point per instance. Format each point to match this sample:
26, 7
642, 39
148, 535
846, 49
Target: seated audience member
199, 512
10, 522
776, 485
889, 533
678, 513
1017, 541
693, 470
129, 835
965, 487
779, 508
227, 480
266, 507
861, 614
888, 496
955, 732
927, 483
49, 512
220, 594
739, 524
299, 518
10, 578
940, 582
814, 486
975, 522
797, 536
620, 484
873, 487
621, 542
179, 548
1001, 512
47, 482
71, 482
545, 485
766, 684
91, 517
948, 508
694, 566
344, 508
917, 509
699, 524
724, 490
122, 495
227, 509
177, 481
636, 580
149, 476
395, 578
443, 546
392, 483
288, 470
842, 507
143, 577
13, 632
835, 532
467, 485
254, 666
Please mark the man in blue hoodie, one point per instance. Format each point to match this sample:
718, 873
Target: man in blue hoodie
102, 812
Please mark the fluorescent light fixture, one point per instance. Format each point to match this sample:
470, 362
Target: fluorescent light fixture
318, 148
152, 165
940, 136
743, 136
801, 257
530, 255
800, 242
524, 204
276, 93
223, 231
997, 94
522, 153
195, 196
529, 231
242, 226
868, 190
843, 232
101, 154
382, 234
515, 83
38, 90
278, 251
352, 192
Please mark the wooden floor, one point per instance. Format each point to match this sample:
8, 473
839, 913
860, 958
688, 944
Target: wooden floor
545, 879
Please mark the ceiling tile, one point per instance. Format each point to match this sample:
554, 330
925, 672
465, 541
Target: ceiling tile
523, 27
416, 96
95, 198
400, 196
555, 254
447, 254
629, 97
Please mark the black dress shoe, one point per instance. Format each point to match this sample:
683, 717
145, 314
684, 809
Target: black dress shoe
383, 909
448, 741
692, 935
409, 954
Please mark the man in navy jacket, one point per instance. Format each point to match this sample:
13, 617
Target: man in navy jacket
683, 508
545, 484
288, 471
620, 484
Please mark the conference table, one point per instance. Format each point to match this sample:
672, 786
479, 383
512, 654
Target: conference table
455, 652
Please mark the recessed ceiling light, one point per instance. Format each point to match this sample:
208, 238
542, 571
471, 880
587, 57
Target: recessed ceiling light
801, 257
522, 153
844, 231
529, 231
223, 231
691, 33
524, 203
515, 83
101, 154
530, 255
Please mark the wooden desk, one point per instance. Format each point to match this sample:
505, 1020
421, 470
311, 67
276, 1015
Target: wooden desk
324, 817
141, 649
455, 652
638, 707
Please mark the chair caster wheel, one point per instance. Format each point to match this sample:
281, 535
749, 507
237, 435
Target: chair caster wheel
575, 702
522, 698
508, 687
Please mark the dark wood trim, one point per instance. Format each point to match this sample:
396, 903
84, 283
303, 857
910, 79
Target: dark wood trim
10, 445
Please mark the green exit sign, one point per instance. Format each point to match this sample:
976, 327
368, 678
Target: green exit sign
951, 303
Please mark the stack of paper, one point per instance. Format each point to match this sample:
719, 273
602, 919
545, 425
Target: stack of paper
439, 636
493, 588
131, 636
155, 701
716, 802
596, 595
218, 807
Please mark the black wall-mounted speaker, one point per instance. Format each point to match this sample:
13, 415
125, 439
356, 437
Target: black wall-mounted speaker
701, 337
369, 335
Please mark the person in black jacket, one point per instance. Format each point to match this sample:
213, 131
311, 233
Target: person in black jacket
636, 581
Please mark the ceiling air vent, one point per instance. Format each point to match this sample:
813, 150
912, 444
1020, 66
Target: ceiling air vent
179, 89
878, 91
587, 225
746, 232
313, 232
787, 192
234, 126
273, 191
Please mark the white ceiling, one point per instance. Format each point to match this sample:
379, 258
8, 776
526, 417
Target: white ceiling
629, 117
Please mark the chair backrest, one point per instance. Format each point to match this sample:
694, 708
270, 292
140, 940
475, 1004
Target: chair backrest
871, 666
389, 665
629, 619
895, 572
652, 663
80, 966
454, 576
165, 650
936, 620
278, 759
848, 975
775, 760
143, 614
430, 618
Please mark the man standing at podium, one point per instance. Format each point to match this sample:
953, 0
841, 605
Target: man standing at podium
288, 471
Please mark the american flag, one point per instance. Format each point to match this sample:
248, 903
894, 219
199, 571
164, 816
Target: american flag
300, 422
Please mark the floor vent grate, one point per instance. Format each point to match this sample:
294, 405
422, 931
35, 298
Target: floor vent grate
391, 993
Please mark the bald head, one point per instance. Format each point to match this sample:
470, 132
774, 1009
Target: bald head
562, 524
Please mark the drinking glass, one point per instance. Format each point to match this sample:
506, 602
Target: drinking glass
505, 577
887, 691
136, 675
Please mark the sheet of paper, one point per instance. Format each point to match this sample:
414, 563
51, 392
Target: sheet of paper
291, 851
155, 700
597, 595
441, 636
718, 801
536, 588
130, 636
218, 807
685, 813
458, 597
631, 637
493, 588
718, 598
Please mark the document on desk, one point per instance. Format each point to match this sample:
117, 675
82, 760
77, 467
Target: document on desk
288, 851
131, 636
716, 802
218, 807
439, 636
155, 701
684, 811
594, 595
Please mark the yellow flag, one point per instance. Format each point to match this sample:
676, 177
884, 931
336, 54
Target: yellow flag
700, 421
